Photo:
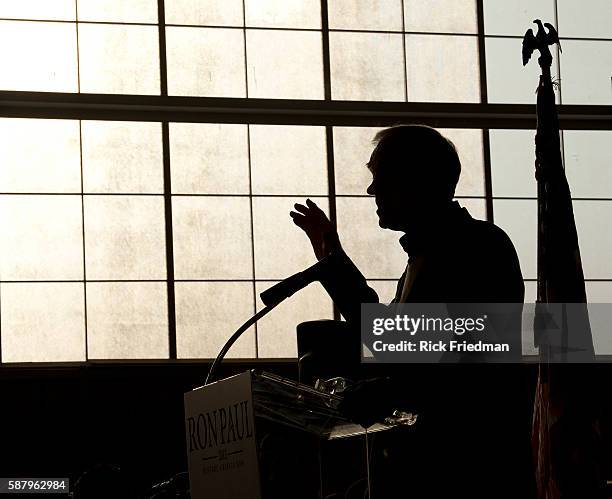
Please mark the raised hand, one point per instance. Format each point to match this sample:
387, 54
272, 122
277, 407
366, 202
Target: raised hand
314, 222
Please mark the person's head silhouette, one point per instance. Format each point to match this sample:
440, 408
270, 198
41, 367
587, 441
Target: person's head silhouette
415, 171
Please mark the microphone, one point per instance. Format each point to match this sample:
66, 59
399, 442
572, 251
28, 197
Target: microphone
292, 284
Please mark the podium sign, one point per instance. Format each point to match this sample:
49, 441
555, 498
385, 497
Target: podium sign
221, 444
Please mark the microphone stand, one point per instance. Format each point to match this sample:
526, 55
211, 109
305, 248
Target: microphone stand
234, 337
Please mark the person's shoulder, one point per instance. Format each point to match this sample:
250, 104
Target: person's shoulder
487, 234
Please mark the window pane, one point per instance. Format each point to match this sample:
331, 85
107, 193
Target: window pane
469, 147
206, 62
587, 163
124, 237
127, 320
285, 64
507, 80
212, 237
288, 160
204, 12
476, 206
513, 163
209, 158
38, 9
274, 229
41, 238
376, 252
276, 332
352, 149
384, 289
367, 66
119, 59
53, 165
208, 313
519, 219
585, 20
122, 157
441, 16
38, 56
585, 72
132, 11
442, 68
383, 15
595, 238
43, 322
599, 292
283, 13
514, 18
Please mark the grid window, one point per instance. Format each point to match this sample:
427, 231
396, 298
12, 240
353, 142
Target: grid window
284, 64
39, 156
92, 211
206, 62
127, 320
441, 16
118, 59
42, 322
207, 313
367, 66
38, 56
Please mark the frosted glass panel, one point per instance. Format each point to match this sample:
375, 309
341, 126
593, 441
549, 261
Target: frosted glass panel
204, 12
384, 289
41, 238
585, 72
39, 155
119, 59
122, 157
209, 158
441, 16
592, 19
519, 219
281, 248
285, 64
376, 252
206, 61
43, 322
127, 320
126, 11
595, 238
381, 15
502, 17
442, 68
288, 160
476, 206
208, 313
212, 237
513, 163
352, 149
367, 66
38, 9
588, 158
38, 56
599, 292
125, 237
507, 80
283, 13
276, 333
469, 147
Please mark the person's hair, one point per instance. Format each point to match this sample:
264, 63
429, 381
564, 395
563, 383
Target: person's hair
423, 148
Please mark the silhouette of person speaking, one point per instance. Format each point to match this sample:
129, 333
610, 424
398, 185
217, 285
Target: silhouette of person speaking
473, 427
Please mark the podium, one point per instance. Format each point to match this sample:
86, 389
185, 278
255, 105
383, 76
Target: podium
260, 436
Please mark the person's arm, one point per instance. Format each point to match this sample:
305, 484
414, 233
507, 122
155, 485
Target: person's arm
344, 283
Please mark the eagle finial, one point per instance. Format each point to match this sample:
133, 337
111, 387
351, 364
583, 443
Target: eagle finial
540, 41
